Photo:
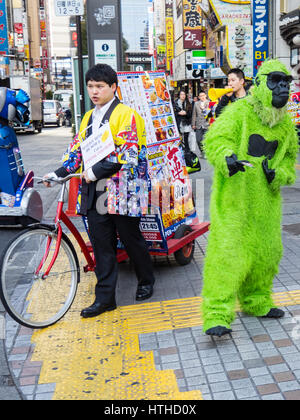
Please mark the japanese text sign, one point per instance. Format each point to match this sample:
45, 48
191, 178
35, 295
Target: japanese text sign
192, 24
69, 7
169, 33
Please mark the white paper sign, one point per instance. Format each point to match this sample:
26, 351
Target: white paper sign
69, 8
97, 147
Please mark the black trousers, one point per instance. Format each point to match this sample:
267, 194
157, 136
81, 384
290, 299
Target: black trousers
103, 234
200, 133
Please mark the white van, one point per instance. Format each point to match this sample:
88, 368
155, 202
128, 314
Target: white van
63, 96
53, 113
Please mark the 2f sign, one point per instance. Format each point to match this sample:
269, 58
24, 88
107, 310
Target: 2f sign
69, 7
192, 39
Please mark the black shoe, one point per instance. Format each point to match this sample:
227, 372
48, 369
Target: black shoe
97, 309
144, 292
275, 313
219, 331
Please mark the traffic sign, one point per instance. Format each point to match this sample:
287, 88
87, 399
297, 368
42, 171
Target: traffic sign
69, 8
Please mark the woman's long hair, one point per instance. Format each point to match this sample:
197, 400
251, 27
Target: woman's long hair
187, 106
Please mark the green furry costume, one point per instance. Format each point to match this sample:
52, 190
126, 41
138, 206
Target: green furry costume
244, 246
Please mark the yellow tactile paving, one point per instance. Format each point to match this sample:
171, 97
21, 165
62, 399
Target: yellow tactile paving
298, 167
100, 358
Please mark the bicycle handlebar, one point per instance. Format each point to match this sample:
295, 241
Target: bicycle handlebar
57, 180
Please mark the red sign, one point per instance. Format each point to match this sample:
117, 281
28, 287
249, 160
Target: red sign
192, 25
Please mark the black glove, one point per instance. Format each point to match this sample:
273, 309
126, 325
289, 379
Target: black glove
270, 173
234, 165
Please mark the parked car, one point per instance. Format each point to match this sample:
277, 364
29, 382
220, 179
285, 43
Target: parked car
53, 113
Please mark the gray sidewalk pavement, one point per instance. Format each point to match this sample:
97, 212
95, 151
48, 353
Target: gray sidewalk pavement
260, 360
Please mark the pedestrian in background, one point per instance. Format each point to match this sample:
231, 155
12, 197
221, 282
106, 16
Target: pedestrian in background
183, 115
200, 119
236, 82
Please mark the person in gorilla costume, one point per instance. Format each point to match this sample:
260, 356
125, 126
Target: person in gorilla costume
253, 147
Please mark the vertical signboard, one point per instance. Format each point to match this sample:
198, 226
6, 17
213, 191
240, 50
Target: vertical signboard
236, 17
104, 32
192, 25
169, 34
260, 33
4, 60
3, 29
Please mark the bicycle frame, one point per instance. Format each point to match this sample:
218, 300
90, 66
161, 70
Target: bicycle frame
60, 218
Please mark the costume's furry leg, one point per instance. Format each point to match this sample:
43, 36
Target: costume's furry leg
223, 273
255, 294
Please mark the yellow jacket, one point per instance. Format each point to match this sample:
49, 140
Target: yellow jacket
128, 189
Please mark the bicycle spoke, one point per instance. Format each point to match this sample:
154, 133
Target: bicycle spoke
31, 299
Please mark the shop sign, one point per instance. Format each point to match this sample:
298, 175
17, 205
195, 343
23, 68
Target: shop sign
290, 19
169, 34
3, 30
260, 33
136, 58
236, 16
192, 24
240, 52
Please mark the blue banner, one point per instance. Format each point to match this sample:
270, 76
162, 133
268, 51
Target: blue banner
3, 29
260, 33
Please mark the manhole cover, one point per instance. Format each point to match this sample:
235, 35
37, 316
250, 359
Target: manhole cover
293, 229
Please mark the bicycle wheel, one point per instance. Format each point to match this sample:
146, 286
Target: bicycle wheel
28, 298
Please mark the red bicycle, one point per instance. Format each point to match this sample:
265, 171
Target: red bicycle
40, 270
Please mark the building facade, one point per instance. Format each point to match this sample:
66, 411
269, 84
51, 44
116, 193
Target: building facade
137, 30
63, 46
203, 39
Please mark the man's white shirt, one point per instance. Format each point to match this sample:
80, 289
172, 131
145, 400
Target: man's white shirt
98, 115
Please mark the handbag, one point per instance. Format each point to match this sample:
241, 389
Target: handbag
192, 161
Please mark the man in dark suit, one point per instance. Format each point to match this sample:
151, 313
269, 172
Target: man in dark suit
107, 217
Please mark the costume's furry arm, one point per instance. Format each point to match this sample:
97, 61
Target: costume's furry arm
286, 172
220, 140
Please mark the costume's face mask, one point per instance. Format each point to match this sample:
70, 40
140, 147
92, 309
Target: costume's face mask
279, 83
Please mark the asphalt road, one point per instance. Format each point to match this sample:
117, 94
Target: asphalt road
41, 153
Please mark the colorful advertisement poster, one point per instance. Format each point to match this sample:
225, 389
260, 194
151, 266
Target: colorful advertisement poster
3, 29
170, 191
294, 107
148, 94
